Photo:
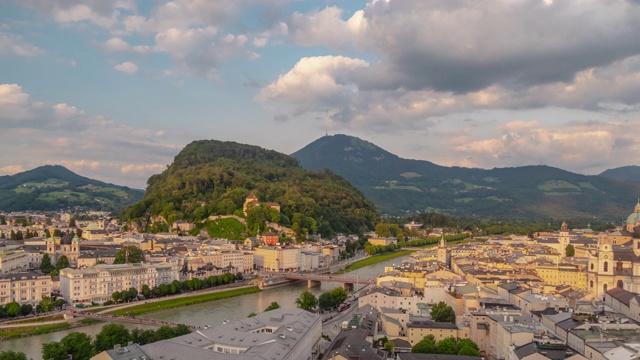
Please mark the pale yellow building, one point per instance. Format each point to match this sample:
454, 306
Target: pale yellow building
24, 288
96, 284
277, 259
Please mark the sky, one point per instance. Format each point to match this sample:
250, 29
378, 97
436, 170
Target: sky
113, 90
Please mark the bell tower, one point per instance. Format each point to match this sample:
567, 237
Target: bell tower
443, 253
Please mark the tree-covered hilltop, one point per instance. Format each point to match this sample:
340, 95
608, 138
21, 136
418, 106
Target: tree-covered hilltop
210, 177
54, 187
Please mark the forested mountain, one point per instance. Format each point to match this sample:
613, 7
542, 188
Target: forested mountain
210, 177
631, 172
54, 187
401, 186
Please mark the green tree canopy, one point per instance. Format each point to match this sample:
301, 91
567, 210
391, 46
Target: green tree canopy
13, 309
78, 345
274, 305
425, 346
54, 351
110, 335
307, 301
570, 250
12, 355
129, 254
63, 262
448, 346
441, 312
45, 264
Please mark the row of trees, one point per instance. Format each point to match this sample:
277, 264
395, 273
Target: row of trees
176, 287
380, 249
326, 301
12, 355
81, 346
14, 309
448, 346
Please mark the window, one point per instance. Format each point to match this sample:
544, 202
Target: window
606, 266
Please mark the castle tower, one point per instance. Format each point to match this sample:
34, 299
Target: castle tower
443, 253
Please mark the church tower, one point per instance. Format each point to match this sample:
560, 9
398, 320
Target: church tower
443, 253
564, 237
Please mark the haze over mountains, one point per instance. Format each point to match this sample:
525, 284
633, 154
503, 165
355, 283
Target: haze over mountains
400, 186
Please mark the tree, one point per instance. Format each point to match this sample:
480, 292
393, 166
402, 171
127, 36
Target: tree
13, 309
46, 304
146, 291
54, 350
72, 222
339, 296
26, 309
62, 263
448, 346
468, 351
78, 345
389, 346
307, 301
129, 254
570, 250
45, 264
12, 355
442, 312
274, 305
425, 346
110, 335
325, 301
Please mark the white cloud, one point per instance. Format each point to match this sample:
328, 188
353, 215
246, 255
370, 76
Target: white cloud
102, 13
11, 169
63, 134
127, 67
15, 45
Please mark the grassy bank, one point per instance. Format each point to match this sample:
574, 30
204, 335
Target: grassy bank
13, 333
374, 260
182, 301
37, 319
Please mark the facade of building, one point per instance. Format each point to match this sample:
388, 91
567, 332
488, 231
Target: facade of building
277, 259
68, 246
96, 284
13, 261
24, 288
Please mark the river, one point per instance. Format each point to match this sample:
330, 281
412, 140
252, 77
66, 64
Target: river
210, 313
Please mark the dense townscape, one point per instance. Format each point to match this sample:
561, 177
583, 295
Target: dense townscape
564, 294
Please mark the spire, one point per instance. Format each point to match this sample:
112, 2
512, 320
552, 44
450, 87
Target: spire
442, 243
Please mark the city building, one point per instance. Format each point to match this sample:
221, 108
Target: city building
14, 261
281, 334
277, 259
96, 284
24, 288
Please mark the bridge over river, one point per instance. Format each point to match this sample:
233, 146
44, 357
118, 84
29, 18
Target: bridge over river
317, 279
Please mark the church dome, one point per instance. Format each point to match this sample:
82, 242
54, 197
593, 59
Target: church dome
633, 218
66, 240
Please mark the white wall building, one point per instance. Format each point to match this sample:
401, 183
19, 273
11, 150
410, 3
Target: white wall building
24, 288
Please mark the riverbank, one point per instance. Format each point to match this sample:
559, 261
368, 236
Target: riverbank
183, 301
13, 332
372, 260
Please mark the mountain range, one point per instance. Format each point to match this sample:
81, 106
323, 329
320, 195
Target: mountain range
403, 186
54, 187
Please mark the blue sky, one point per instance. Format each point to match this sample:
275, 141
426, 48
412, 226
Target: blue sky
113, 90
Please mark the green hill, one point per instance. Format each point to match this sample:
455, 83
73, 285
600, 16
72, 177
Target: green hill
631, 172
211, 177
54, 187
401, 186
